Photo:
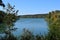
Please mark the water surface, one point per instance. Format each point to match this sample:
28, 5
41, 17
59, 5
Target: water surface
35, 25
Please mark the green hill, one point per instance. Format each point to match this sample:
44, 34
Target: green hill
34, 16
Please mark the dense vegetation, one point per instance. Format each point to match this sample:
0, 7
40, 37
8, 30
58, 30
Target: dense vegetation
7, 20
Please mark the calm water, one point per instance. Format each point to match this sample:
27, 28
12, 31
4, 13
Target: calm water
35, 25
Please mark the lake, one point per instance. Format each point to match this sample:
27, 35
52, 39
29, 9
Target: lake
35, 25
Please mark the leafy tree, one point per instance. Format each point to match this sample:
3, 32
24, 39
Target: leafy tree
8, 18
54, 27
2, 4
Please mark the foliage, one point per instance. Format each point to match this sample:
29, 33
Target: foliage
10, 37
26, 35
54, 26
1, 3
8, 18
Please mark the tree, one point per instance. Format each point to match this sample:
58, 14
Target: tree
10, 17
54, 26
2, 4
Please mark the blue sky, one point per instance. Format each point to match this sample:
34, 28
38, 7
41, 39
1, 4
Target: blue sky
34, 6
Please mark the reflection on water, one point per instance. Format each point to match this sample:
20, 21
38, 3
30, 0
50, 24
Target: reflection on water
35, 25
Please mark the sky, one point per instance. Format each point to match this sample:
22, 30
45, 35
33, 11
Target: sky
27, 7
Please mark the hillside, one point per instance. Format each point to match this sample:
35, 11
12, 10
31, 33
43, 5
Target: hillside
34, 16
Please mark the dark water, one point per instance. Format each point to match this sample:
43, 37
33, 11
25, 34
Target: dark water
35, 25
